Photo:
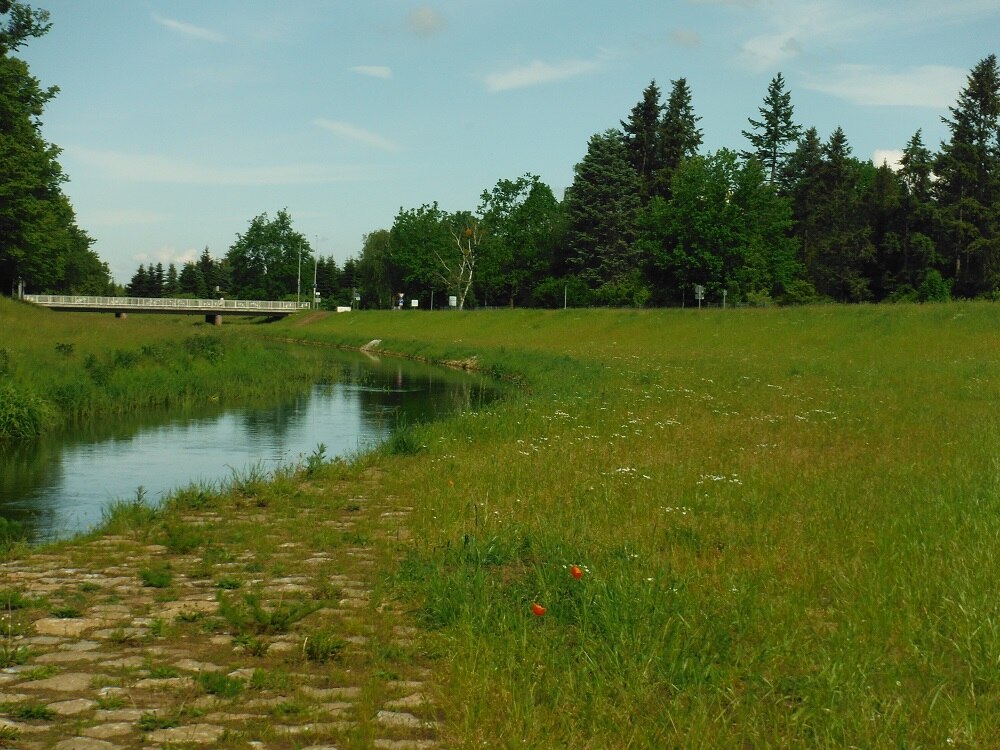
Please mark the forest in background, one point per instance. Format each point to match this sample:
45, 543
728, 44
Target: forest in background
649, 218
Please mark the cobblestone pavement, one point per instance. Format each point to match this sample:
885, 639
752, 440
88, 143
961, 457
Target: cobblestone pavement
126, 642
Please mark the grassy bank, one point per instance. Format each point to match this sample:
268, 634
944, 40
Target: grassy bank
56, 368
785, 523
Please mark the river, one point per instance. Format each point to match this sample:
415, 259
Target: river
59, 485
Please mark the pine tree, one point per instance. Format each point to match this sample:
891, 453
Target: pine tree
968, 185
775, 132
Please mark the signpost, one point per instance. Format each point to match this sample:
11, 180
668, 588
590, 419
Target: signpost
699, 294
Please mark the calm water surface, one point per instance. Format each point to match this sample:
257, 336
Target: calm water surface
59, 485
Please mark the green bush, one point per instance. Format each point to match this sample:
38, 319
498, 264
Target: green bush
934, 288
22, 413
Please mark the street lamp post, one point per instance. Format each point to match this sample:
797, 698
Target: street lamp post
298, 287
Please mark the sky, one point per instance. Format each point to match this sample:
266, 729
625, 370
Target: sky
182, 120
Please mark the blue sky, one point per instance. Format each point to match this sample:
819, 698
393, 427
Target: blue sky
180, 121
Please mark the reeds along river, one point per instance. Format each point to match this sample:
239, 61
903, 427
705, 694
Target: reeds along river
58, 485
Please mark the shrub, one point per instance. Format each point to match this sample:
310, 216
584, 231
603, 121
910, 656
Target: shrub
934, 288
22, 413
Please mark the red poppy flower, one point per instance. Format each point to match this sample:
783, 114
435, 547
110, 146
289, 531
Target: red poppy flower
537, 609
576, 571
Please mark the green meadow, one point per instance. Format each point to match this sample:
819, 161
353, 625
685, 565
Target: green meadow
784, 522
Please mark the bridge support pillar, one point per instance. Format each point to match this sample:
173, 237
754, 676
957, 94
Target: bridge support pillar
215, 319
122, 315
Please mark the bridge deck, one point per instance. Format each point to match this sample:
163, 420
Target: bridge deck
81, 303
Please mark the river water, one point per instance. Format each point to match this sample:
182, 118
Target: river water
60, 484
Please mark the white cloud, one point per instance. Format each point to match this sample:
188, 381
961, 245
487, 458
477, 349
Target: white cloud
357, 134
167, 255
933, 86
686, 38
155, 168
890, 156
424, 21
539, 72
782, 30
195, 32
375, 71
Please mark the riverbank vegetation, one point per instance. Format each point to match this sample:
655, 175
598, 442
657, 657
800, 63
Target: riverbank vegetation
60, 368
715, 529
760, 527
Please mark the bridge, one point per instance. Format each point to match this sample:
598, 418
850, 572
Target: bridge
212, 309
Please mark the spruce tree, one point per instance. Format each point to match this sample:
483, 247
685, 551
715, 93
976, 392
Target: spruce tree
642, 138
680, 136
773, 136
968, 185
601, 207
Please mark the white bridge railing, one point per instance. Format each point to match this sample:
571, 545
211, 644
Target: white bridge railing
161, 304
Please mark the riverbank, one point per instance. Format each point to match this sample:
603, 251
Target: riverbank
687, 528
60, 368
251, 617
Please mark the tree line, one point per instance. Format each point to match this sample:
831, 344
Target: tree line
649, 217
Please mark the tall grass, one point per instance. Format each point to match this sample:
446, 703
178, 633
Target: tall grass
786, 523
57, 368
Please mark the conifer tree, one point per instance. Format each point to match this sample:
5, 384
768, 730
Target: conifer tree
601, 207
642, 138
680, 136
968, 185
773, 136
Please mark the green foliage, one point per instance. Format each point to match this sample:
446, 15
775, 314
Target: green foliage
773, 135
129, 516
968, 174
181, 538
28, 711
12, 533
220, 684
249, 615
523, 224
934, 288
150, 722
204, 347
316, 460
12, 655
156, 575
601, 207
40, 241
22, 413
265, 261
322, 646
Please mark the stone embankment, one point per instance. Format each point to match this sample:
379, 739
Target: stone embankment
126, 642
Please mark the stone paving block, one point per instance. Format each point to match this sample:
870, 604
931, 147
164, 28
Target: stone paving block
71, 707
201, 734
71, 682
